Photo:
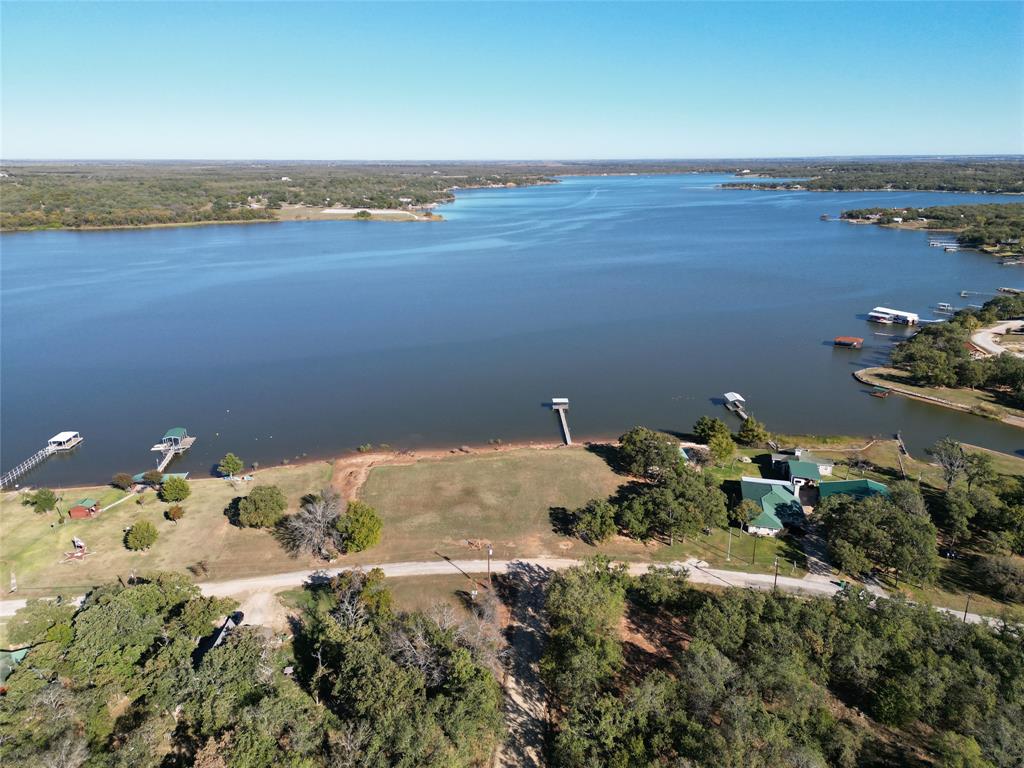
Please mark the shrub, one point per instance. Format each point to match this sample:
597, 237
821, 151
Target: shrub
1004, 576
175, 489
262, 508
140, 536
360, 527
707, 427
42, 501
175, 513
229, 465
153, 477
122, 480
721, 447
595, 521
753, 432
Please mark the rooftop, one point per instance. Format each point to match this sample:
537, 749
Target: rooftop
777, 502
856, 488
178, 432
63, 437
805, 469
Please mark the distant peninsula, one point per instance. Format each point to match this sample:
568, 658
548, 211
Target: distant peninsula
996, 228
1004, 176
97, 195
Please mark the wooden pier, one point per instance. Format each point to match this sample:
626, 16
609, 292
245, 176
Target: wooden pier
174, 443
63, 441
561, 405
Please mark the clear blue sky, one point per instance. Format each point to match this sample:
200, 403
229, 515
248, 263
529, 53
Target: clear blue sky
510, 81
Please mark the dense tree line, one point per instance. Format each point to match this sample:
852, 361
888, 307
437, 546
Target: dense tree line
938, 354
38, 196
945, 176
893, 532
991, 224
759, 679
675, 499
131, 679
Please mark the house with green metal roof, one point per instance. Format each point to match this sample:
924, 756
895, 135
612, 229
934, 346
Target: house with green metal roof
859, 489
779, 507
802, 472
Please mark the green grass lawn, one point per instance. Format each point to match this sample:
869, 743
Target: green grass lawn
977, 400
505, 498
33, 545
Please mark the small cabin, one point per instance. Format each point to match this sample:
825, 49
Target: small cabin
83, 509
174, 437
63, 441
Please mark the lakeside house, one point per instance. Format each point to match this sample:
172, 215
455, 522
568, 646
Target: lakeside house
781, 459
779, 505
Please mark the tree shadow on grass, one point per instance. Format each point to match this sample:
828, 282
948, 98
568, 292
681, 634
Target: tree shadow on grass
231, 511
561, 521
611, 455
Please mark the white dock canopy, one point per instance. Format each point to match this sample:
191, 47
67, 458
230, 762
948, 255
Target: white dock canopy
734, 397
63, 441
909, 318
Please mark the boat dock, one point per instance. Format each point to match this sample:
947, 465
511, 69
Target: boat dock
174, 443
561, 405
734, 402
62, 441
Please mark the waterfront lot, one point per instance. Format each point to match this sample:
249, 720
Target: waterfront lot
444, 505
977, 401
33, 545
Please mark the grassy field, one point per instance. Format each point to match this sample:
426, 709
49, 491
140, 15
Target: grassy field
33, 545
974, 400
505, 498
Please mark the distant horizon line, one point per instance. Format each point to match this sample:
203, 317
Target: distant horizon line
538, 161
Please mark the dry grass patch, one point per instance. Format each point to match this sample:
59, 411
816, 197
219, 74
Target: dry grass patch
455, 504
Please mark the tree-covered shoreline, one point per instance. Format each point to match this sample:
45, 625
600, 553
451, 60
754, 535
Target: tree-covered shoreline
938, 355
993, 226
87, 194
1003, 176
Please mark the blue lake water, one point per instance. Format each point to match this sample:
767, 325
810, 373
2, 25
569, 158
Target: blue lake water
640, 298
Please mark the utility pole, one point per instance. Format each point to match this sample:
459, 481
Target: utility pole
753, 558
490, 552
967, 606
728, 550
775, 584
